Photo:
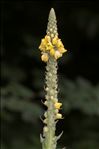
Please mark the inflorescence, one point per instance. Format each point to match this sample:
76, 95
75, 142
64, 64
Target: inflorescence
51, 46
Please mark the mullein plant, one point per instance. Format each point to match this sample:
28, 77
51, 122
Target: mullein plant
52, 49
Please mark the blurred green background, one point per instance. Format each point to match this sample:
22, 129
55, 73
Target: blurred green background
23, 24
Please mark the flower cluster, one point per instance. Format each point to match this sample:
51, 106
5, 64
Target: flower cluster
51, 47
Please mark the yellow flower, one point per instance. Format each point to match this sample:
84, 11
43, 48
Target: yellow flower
58, 116
49, 46
47, 38
57, 55
42, 45
59, 43
62, 50
45, 43
54, 40
44, 57
52, 52
58, 105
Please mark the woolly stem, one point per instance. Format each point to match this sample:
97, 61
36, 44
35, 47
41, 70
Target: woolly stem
51, 96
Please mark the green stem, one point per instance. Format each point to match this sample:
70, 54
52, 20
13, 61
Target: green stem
51, 97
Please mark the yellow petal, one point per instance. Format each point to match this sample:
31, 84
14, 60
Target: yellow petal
62, 50
42, 47
49, 46
43, 41
47, 38
58, 105
52, 52
54, 40
44, 57
59, 43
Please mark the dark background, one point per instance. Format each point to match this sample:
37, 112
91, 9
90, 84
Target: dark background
23, 24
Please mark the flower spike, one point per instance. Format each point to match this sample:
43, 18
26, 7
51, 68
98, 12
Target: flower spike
52, 49
51, 45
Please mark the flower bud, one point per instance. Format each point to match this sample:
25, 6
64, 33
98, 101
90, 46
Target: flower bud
45, 129
45, 103
58, 116
45, 121
46, 88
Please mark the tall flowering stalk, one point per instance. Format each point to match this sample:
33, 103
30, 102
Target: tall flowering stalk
52, 49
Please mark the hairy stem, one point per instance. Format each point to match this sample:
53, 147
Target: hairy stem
51, 96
